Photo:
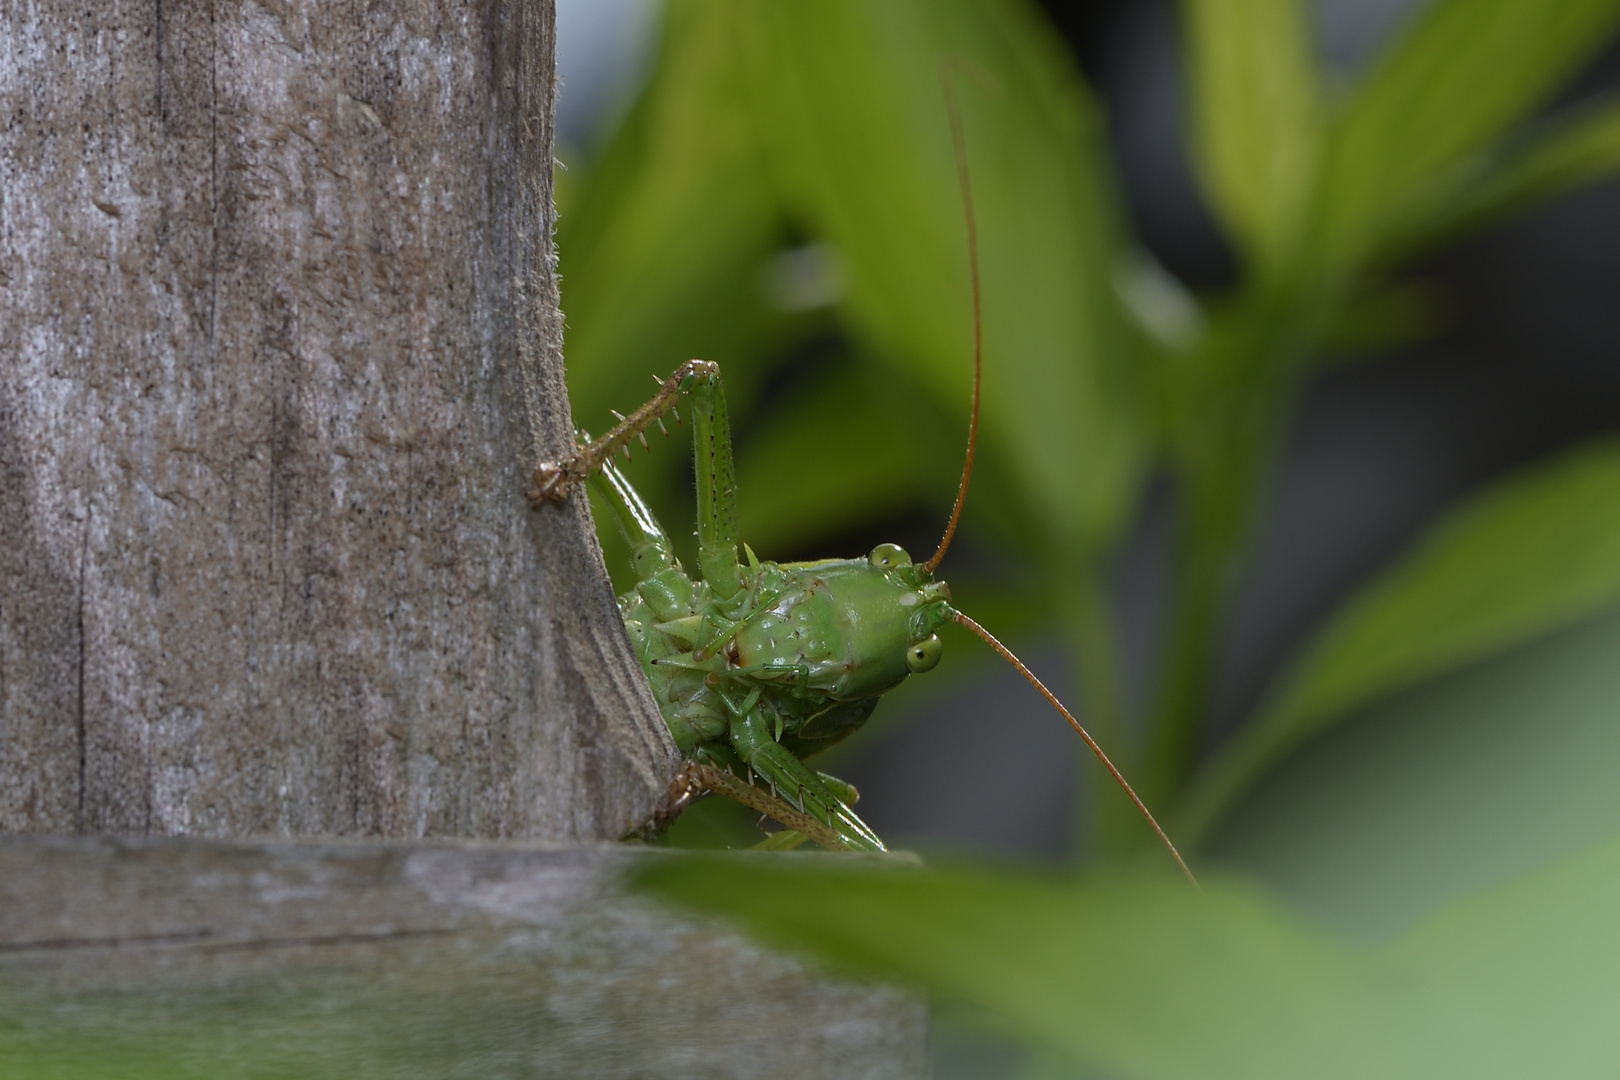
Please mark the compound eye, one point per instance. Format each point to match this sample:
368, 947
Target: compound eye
889, 556
924, 655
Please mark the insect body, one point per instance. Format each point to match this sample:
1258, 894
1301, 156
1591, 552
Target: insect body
757, 665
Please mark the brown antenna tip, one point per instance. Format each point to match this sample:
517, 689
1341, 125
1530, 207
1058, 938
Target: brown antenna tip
1007, 655
959, 145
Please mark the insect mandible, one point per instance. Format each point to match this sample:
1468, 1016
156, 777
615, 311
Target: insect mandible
756, 665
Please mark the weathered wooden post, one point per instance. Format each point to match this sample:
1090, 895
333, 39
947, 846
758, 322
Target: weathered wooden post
279, 342
280, 333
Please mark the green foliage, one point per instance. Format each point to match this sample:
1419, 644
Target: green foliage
1258, 118
767, 126
1463, 73
1534, 552
1459, 784
858, 128
1146, 978
1564, 153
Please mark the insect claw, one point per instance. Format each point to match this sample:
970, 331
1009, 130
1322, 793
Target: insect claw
550, 482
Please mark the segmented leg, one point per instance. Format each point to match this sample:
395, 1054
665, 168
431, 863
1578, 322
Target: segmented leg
788, 839
553, 480
716, 486
712, 776
797, 784
650, 549
698, 380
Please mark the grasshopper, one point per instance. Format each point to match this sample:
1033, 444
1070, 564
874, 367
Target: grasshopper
757, 665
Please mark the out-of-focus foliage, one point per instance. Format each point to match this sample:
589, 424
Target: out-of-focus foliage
1534, 552
1260, 122
783, 199
1146, 977
1459, 784
1453, 85
856, 112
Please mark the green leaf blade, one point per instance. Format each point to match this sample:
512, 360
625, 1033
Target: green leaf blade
1530, 970
1533, 553
1568, 152
1143, 976
1453, 786
1460, 76
857, 116
1258, 118
662, 260
1149, 979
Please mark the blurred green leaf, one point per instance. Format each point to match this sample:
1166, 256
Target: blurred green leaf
834, 454
662, 258
1535, 968
1148, 978
1257, 117
856, 115
1572, 150
1145, 977
1532, 553
1459, 77
1460, 784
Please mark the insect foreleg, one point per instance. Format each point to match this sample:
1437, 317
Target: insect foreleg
650, 549
800, 673
699, 380
716, 483
553, 480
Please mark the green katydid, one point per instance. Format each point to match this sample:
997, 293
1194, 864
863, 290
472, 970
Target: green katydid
758, 665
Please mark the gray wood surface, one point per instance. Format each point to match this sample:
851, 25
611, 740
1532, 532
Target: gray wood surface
279, 344
193, 958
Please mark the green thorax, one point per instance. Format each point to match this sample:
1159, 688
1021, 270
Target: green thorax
848, 623
809, 636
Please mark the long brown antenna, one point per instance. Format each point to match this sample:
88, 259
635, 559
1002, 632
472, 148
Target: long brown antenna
1007, 655
959, 144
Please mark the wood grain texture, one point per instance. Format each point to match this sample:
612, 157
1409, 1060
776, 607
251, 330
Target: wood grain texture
179, 958
279, 345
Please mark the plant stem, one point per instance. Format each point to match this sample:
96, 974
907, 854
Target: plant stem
1108, 822
1225, 425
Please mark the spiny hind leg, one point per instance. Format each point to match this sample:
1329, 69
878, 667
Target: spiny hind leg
553, 480
719, 771
789, 838
795, 783
843, 790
